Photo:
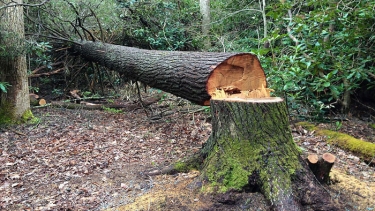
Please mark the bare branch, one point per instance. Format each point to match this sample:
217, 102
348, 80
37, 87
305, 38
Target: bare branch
100, 25
15, 4
295, 40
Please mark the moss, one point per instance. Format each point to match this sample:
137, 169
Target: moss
112, 110
191, 164
28, 117
372, 126
7, 117
243, 159
6, 114
360, 147
181, 166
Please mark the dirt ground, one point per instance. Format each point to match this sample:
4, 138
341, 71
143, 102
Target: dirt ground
94, 160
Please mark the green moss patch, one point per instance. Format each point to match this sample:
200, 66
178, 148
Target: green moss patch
28, 117
6, 113
231, 170
7, 117
360, 147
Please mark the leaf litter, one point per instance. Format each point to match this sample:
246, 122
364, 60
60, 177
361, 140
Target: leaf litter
92, 160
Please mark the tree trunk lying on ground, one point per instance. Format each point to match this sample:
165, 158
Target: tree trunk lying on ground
129, 106
251, 146
190, 75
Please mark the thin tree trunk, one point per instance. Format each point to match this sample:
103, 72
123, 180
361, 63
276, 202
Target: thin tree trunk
13, 67
206, 21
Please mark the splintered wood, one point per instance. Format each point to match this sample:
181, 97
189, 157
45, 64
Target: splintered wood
234, 92
238, 77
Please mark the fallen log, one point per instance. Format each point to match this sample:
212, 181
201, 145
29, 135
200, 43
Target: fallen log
92, 106
36, 101
190, 75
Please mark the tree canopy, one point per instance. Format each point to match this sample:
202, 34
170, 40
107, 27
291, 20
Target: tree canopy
317, 55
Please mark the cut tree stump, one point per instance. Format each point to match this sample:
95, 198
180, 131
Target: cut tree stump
252, 142
321, 167
251, 148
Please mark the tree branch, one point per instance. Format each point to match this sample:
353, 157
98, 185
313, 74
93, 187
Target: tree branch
15, 4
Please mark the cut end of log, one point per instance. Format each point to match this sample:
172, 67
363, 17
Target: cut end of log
313, 158
42, 102
328, 157
239, 77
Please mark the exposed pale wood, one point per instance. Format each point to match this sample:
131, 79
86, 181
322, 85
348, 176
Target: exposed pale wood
74, 93
42, 102
243, 72
313, 158
329, 158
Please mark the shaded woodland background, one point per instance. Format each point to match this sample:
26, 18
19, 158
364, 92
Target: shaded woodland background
317, 55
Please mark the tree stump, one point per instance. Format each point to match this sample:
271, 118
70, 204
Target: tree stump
251, 147
321, 167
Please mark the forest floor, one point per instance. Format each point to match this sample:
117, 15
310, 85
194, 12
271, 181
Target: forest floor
94, 160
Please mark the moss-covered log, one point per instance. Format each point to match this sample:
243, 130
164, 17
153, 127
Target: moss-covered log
251, 147
190, 75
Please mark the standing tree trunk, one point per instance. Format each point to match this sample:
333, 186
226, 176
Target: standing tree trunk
206, 21
15, 103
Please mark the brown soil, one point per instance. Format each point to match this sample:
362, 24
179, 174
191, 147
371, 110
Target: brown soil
93, 160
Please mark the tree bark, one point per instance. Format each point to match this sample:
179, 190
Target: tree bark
206, 21
321, 167
190, 75
15, 102
251, 148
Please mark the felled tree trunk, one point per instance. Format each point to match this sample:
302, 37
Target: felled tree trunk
190, 75
251, 148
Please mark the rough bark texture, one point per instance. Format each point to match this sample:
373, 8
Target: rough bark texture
251, 147
13, 68
206, 21
190, 75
